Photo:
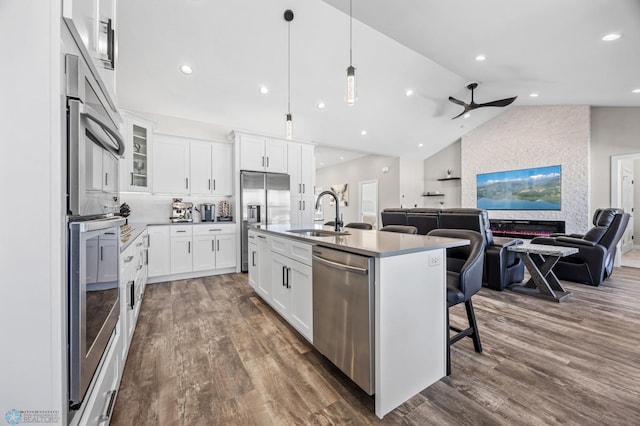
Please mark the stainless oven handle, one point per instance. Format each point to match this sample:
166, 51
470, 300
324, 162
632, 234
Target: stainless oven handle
93, 116
95, 225
341, 266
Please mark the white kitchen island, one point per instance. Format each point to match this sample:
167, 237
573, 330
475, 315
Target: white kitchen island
409, 302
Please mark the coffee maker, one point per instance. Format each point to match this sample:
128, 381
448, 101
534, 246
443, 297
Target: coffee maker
181, 211
208, 212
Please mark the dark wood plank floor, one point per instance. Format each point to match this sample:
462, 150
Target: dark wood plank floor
211, 352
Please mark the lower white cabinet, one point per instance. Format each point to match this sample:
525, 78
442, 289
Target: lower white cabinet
179, 249
287, 282
159, 250
253, 260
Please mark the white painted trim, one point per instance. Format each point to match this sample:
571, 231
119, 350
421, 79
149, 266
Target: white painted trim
616, 190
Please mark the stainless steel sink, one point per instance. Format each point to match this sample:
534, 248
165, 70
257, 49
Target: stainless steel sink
317, 232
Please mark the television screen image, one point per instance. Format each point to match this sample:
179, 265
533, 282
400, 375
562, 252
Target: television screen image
526, 189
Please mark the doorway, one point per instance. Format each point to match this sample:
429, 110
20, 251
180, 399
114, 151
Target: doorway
624, 194
368, 205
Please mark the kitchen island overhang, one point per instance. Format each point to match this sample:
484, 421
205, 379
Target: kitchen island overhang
409, 306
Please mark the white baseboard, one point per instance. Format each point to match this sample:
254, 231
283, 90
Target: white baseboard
190, 275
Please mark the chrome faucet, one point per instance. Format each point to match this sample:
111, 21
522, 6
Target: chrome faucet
335, 197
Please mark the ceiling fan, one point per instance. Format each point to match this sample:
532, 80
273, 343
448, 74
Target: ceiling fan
471, 106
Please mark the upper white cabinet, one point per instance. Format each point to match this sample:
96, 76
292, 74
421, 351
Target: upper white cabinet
258, 153
135, 167
187, 166
170, 165
301, 159
93, 26
211, 168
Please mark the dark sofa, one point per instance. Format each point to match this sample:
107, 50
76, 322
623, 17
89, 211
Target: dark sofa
501, 267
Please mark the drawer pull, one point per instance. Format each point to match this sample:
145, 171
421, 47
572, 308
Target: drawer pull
104, 418
128, 259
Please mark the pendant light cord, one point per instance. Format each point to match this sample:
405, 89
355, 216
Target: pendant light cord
350, 32
289, 68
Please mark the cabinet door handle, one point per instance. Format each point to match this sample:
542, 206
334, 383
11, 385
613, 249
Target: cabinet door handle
262, 161
188, 246
212, 248
299, 205
218, 244
304, 205
101, 253
267, 161
181, 230
217, 229
284, 273
106, 179
262, 236
253, 258
288, 272
146, 257
304, 190
299, 188
132, 178
214, 184
209, 184
128, 259
130, 294
186, 182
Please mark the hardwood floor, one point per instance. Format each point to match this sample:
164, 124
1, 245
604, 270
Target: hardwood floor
211, 352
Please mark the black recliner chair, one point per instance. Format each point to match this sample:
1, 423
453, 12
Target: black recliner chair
502, 267
464, 279
596, 249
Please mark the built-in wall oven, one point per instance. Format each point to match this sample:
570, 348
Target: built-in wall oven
94, 146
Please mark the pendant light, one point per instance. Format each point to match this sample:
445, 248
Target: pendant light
288, 16
351, 71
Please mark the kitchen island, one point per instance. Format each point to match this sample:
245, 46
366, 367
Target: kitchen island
409, 298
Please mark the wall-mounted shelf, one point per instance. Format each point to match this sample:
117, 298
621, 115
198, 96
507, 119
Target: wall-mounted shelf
432, 194
449, 178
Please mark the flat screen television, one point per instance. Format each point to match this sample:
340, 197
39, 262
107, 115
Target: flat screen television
526, 189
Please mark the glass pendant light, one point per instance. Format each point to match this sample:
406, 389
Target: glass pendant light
351, 71
288, 16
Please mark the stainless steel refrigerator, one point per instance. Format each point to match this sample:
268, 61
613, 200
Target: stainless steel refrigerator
265, 199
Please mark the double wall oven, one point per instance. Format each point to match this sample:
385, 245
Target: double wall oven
93, 148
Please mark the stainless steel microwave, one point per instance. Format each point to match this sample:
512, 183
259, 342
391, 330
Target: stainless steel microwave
94, 145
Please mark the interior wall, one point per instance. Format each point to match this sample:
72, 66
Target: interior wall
33, 248
176, 126
636, 202
614, 131
361, 169
435, 167
525, 137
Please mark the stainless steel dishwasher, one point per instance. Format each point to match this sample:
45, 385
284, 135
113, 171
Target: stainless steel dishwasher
343, 303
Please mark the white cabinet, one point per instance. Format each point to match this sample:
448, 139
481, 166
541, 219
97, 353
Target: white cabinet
211, 168
262, 154
159, 250
191, 249
135, 166
288, 281
108, 258
213, 248
188, 166
93, 26
170, 165
253, 260
181, 250
101, 169
301, 161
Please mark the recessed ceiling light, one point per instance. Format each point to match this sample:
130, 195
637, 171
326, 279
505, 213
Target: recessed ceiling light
186, 69
321, 105
420, 145
611, 36
480, 58
342, 158
533, 95
409, 92
322, 164
264, 90
364, 132
467, 115
635, 91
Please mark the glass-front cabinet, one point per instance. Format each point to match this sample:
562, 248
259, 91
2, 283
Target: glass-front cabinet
136, 167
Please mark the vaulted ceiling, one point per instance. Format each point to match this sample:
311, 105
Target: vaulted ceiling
549, 47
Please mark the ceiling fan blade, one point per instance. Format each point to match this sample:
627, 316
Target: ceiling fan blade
499, 103
466, 109
457, 102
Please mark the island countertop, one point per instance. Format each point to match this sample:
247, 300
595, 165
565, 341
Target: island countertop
369, 243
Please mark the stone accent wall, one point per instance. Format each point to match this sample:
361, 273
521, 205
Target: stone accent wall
526, 137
